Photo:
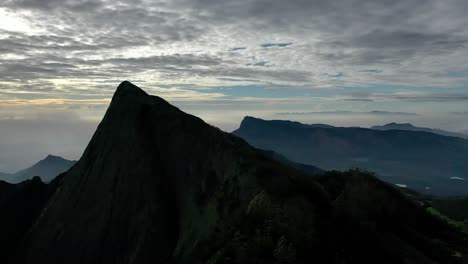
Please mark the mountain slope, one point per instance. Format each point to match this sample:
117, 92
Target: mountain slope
47, 169
152, 183
156, 185
423, 161
309, 169
410, 127
371, 213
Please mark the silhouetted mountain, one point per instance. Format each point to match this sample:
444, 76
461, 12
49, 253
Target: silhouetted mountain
248, 120
422, 161
20, 205
47, 169
407, 126
156, 185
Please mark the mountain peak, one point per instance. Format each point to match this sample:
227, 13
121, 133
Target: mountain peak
248, 119
127, 88
399, 124
393, 125
52, 157
156, 175
47, 169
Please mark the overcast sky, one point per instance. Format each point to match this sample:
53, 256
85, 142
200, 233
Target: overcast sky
348, 63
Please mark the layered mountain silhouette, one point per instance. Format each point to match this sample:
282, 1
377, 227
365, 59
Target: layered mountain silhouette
422, 161
47, 169
157, 185
410, 127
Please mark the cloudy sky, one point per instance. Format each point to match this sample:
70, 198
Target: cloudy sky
347, 63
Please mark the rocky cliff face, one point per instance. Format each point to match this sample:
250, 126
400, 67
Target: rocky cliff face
152, 185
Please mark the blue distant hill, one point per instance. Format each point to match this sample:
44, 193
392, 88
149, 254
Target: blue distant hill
427, 162
410, 127
47, 169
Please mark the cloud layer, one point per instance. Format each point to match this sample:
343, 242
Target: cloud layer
400, 42
216, 56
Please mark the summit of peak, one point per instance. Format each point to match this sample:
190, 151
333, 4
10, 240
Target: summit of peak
128, 88
53, 157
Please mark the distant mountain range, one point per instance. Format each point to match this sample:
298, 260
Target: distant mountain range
410, 127
47, 169
426, 162
157, 185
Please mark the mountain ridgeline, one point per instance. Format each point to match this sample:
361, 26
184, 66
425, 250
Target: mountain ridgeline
410, 127
47, 169
157, 185
426, 162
